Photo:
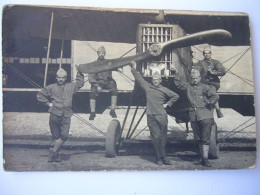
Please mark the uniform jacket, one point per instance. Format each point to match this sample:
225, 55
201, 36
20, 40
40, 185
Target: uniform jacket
206, 76
102, 77
155, 96
201, 98
61, 96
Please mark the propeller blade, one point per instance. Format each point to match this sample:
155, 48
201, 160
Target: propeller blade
155, 50
188, 40
105, 65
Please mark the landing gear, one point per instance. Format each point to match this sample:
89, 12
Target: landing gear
113, 138
214, 145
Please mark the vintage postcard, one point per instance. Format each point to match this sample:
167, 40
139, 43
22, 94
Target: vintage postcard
101, 89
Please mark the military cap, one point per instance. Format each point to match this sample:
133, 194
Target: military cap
101, 49
157, 75
61, 72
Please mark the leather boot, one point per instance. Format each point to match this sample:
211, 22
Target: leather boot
205, 154
166, 161
57, 145
159, 162
57, 157
113, 106
198, 162
51, 155
54, 156
92, 109
92, 116
157, 152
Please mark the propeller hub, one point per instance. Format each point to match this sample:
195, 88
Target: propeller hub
155, 50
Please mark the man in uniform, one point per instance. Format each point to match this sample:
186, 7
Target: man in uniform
99, 81
158, 99
202, 98
58, 97
210, 70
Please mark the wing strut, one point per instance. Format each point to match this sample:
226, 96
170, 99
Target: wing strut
61, 53
48, 51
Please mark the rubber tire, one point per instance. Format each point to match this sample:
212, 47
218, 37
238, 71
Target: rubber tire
214, 145
113, 138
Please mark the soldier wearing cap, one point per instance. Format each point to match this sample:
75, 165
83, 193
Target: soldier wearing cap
58, 97
99, 81
158, 99
202, 98
210, 70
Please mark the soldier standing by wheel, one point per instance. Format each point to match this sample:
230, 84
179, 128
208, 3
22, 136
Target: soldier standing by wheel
158, 99
202, 98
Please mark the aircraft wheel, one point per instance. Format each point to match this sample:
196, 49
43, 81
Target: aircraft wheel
113, 138
214, 146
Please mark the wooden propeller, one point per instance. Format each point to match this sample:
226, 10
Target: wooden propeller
155, 50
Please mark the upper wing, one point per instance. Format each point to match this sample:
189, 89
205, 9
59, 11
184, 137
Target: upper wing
112, 25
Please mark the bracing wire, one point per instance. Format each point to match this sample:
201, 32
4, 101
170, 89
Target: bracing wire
124, 76
23, 76
237, 60
89, 124
140, 132
232, 131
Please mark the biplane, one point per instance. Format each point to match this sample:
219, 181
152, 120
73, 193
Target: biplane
37, 40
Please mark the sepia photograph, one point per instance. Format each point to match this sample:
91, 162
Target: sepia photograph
102, 89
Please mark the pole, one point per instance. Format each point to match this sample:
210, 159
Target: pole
48, 51
61, 53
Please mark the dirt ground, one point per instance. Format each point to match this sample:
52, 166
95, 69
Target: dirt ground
135, 157
27, 138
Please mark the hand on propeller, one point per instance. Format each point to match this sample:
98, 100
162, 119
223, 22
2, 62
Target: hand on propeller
99, 89
132, 64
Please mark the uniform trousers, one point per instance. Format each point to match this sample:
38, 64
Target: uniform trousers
202, 130
59, 126
109, 85
158, 124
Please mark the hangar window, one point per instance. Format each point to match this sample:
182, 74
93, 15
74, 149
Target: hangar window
20, 63
21, 60
11, 60
32, 60
54, 61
